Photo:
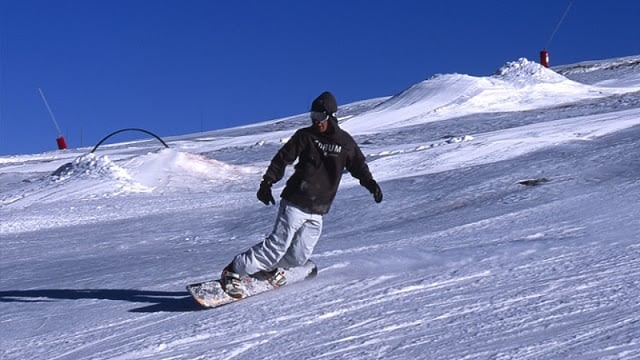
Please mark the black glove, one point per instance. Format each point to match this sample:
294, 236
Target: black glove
264, 193
374, 189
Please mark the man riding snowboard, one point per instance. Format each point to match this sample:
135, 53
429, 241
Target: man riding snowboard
323, 151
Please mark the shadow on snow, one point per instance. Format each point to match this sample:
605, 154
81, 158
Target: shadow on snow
160, 300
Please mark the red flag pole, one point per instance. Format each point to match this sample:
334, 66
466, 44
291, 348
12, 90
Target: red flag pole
544, 58
62, 144
544, 54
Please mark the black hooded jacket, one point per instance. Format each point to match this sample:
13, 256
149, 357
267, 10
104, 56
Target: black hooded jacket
322, 158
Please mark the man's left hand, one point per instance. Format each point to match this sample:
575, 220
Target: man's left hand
374, 189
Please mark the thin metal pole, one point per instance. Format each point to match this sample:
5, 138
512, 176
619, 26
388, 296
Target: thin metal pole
53, 118
566, 11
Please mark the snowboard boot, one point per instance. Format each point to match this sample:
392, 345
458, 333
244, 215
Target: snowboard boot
275, 277
232, 283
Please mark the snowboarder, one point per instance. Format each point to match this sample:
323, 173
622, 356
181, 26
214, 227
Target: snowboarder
323, 151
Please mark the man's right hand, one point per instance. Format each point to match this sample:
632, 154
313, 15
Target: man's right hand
264, 193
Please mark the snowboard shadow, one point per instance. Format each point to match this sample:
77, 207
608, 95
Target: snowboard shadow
159, 301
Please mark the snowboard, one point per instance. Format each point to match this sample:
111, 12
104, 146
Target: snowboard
211, 294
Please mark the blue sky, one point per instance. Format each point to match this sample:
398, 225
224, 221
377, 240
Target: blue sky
182, 66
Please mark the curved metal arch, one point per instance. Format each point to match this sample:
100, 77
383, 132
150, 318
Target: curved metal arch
129, 129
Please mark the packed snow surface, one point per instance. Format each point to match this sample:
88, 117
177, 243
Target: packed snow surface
509, 230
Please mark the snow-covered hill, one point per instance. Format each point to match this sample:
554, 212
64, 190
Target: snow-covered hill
509, 229
517, 86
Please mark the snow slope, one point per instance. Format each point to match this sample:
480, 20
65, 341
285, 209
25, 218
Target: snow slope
517, 86
460, 261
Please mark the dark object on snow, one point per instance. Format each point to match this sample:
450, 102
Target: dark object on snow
129, 129
533, 182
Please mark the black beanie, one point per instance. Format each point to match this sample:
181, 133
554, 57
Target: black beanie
326, 102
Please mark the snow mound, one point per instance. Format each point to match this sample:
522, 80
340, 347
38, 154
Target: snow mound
178, 169
526, 72
437, 91
95, 175
90, 166
92, 176
86, 177
165, 170
448, 91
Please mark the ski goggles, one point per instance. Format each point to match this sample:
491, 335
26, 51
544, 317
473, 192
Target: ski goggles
319, 116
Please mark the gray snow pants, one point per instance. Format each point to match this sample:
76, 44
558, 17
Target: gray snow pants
290, 244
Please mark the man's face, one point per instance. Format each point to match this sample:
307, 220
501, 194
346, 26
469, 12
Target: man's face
320, 121
321, 126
